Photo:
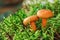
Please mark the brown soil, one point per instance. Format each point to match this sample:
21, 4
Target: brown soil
9, 6
57, 36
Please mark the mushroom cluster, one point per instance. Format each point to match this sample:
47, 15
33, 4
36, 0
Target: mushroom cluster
44, 14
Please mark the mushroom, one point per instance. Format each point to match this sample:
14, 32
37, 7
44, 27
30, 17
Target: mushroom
44, 14
31, 20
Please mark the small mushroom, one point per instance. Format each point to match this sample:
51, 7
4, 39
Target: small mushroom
44, 14
31, 20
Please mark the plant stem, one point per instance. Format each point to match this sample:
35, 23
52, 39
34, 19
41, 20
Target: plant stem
33, 26
44, 21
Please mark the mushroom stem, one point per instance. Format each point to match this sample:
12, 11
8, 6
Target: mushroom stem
44, 21
33, 26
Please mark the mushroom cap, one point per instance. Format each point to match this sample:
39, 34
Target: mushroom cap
30, 19
44, 13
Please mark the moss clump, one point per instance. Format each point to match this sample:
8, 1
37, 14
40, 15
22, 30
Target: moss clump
12, 27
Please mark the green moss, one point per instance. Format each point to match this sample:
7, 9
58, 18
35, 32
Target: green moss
13, 25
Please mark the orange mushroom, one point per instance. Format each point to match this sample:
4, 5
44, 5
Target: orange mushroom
31, 20
44, 14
